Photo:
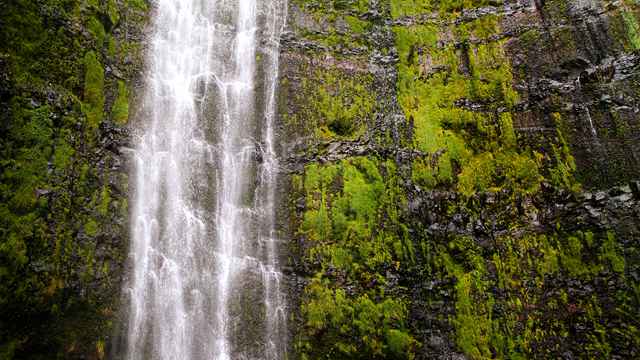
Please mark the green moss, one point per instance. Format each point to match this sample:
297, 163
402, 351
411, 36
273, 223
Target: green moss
91, 228
445, 8
112, 11
353, 221
357, 25
609, 253
564, 167
507, 134
598, 346
632, 27
364, 327
473, 318
401, 8
432, 80
523, 269
138, 4
96, 29
481, 29
63, 154
53, 79
332, 17
342, 103
120, 110
571, 256
111, 47
478, 175
470, 148
100, 349
334, 6
519, 172
336, 105
105, 200
93, 90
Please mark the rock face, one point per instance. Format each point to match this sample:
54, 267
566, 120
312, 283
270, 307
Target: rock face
67, 69
462, 179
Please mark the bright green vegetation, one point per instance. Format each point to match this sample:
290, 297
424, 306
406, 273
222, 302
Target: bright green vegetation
93, 90
561, 174
455, 87
361, 327
55, 194
633, 29
120, 110
137, 4
410, 7
96, 29
508, 291
511, 288
342, 23
353, 224
504, 312
336, 105
446, 8
356, 25
112, 10
474, 149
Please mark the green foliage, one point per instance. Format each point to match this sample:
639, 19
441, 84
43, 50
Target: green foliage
357, 25
446, 8
64, 151
97, 30
409, 7
91, 227
523, 269
475, 149
112, 11
337, 105
52, 53
138, 4
93, 90
111, 46
473, 311
562, 172
478, 175
610, 253
633, 29
120, 110
332, 17
105, 200
360, 327
352, 220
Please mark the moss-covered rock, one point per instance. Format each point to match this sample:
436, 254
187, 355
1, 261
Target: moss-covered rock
468, 214
63, 208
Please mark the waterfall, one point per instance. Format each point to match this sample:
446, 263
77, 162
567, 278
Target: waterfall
204, 280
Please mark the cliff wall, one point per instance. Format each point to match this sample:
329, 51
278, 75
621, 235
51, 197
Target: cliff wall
463, 178
68, 71
460, 178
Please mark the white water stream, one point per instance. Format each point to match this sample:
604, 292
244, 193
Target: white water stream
205, 281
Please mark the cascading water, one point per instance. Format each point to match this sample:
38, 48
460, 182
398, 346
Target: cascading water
205, 282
